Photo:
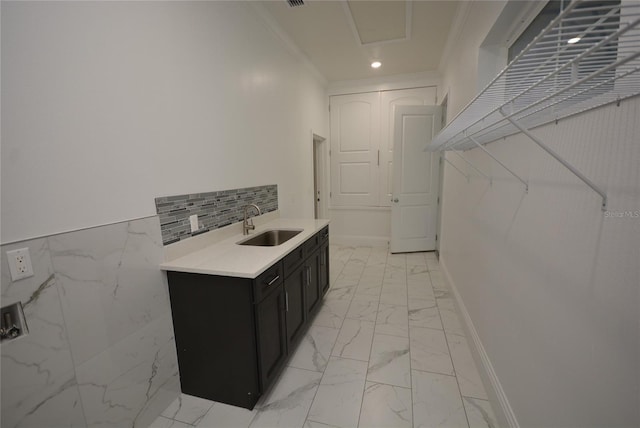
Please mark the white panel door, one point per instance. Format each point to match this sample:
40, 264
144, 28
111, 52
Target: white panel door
415, 179
354, 149
388, 101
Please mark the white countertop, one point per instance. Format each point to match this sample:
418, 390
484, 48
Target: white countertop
228, 258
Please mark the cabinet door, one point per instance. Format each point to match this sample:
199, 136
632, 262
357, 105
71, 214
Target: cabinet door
272, 335
294, 286
323, 275
312, 281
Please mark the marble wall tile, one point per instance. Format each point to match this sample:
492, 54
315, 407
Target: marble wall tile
130, 383
389, 362
354, 340
38, 381
314, 349
429, 351
436, 401
339, 395
386, 406
110, 282
289, 401
97, 353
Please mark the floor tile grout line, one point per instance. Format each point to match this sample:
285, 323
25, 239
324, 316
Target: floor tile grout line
451, 358
410, 363
366, 376
328, 360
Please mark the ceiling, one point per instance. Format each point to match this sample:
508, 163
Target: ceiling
342, 37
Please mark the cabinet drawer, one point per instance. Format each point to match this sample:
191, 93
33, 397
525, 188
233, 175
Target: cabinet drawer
311, 244
267, 281
293, 259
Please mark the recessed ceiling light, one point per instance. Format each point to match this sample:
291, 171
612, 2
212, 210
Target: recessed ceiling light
376, 64
573, 40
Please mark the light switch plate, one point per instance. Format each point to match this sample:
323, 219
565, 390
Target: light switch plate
20, 263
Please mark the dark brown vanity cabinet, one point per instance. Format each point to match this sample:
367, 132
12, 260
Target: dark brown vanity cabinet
271, 331
233, 335
295, 304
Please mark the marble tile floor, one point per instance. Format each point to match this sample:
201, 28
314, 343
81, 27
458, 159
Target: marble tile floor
386, 349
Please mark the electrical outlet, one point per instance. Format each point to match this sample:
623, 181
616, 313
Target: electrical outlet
20, 263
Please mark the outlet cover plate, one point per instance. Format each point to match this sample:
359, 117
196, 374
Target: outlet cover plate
19, 263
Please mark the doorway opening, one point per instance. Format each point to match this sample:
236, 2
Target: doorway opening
319, 176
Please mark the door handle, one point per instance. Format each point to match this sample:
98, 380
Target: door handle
394, 200
286, 301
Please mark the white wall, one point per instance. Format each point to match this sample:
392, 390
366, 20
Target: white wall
551, 284
460, 71
106, 105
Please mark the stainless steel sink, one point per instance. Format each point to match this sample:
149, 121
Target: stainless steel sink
271, 238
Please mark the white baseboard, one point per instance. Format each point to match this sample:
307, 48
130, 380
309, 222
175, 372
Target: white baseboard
508, 415
354, 240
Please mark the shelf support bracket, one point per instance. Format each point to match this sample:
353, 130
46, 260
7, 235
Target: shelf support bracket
557, 157
472, 166
526, 185
455, 167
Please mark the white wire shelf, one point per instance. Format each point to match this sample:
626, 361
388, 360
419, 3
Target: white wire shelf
552, 79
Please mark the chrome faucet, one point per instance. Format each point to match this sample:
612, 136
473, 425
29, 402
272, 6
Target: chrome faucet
247, 224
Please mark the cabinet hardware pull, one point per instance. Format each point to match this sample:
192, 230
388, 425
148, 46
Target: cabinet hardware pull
286, 301
308, 275
273, 280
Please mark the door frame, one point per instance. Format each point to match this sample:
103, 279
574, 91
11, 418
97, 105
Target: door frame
443, 123
395, 245
320, 157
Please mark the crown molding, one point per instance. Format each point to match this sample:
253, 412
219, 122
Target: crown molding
286, 40
385, 83
460, 18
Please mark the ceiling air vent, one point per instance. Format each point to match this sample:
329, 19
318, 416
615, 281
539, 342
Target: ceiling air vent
294, 3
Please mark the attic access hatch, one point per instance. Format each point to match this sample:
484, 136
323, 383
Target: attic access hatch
553, 78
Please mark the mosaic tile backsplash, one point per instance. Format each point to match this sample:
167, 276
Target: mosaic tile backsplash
214, 209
